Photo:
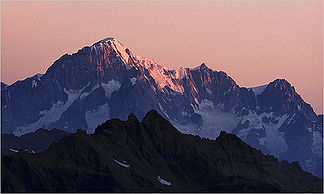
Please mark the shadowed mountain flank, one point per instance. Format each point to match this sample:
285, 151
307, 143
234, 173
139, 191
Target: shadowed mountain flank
151, 156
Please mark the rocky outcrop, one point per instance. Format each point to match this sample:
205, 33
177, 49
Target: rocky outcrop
33, 142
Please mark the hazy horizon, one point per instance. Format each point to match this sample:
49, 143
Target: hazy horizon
253, 42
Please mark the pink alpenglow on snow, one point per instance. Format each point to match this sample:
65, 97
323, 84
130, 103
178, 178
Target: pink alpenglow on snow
255, 42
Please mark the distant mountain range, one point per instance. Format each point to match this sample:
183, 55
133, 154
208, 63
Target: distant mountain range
151, 156
107, 80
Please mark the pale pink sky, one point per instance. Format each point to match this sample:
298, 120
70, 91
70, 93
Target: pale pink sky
254, 42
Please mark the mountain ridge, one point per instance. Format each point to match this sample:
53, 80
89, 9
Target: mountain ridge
108, 80
133, 156
33, 142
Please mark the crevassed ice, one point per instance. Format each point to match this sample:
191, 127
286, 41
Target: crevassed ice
216, 120
274, 140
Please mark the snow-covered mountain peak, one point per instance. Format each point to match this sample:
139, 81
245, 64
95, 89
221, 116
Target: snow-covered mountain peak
102, 50
283, 86
120, 49
107, 39
110, 40
201, 67
281, 82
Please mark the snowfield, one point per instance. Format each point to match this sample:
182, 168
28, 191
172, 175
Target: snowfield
164, 182
216, 120
122, 163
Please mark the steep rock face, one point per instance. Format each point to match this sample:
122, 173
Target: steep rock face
72, 80
107, 80
151, 155
286, 126
281, 97
3, 85
203, 83
130, 83
22, 101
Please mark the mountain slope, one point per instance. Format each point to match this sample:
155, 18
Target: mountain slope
108, 80
151, 156
33, 142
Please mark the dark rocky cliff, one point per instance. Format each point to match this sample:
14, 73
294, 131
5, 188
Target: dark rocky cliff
133, 156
